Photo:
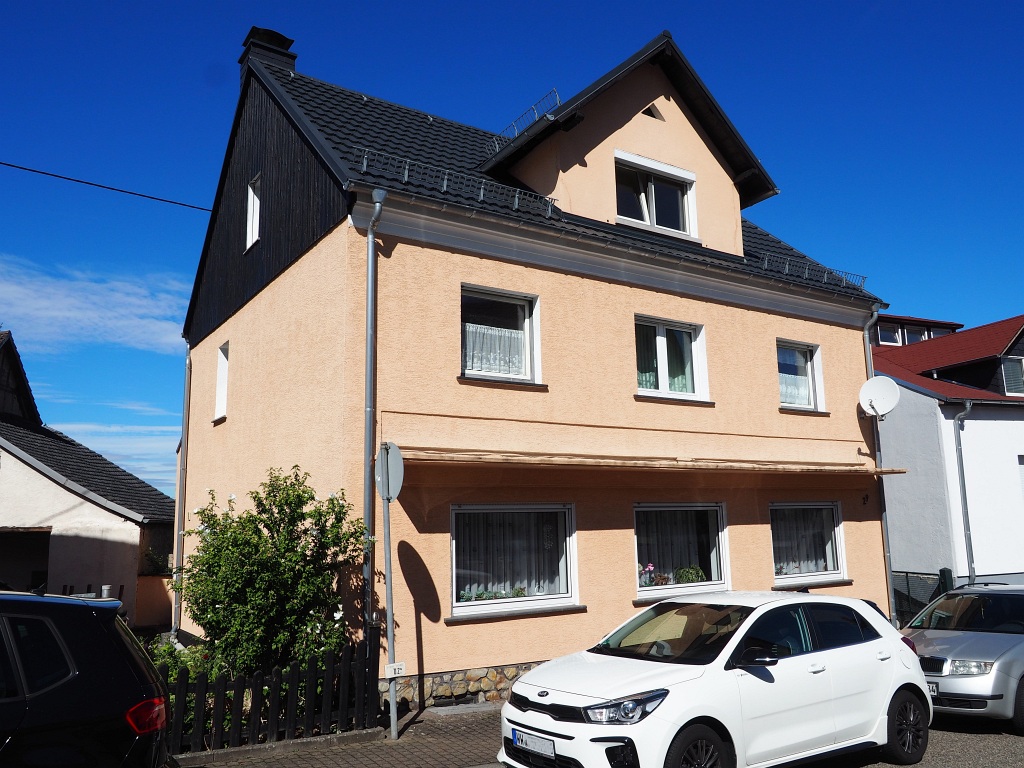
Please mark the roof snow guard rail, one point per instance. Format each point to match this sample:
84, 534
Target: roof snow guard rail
810, 270
410, 172
548, 103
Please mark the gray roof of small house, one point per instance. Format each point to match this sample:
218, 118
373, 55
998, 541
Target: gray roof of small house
89, 474
369, 142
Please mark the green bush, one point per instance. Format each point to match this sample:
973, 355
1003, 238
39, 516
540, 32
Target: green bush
263, 583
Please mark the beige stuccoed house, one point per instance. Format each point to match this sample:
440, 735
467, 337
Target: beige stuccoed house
608, 387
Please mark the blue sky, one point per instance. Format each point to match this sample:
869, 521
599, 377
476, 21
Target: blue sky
894, 131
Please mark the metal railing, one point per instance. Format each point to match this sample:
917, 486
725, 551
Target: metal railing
548, 103
809, 270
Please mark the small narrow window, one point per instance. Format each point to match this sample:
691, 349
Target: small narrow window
888, 334
936, 332
914, 334
252, 217
221, 406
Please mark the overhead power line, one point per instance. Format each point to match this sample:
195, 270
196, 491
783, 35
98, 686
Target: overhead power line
104, 186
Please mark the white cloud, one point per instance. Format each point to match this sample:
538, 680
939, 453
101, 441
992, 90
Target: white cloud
146, 451
50, 311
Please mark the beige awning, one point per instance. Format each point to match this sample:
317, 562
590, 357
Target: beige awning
470, 456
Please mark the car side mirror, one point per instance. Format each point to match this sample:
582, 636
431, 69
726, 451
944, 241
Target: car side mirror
756, 657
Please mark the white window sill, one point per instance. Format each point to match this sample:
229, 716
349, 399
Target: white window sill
651, 595
680, 397
468, 377
512, 610
798, 580
803, 409
678, 234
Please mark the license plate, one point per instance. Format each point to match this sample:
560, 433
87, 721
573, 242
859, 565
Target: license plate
933, 689
533, 743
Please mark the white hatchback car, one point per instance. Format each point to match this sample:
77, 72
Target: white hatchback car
724, 679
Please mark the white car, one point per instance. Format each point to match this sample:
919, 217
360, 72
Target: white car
724, 679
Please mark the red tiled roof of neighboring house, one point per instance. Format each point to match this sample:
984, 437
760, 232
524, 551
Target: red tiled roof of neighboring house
985, 341
944, 390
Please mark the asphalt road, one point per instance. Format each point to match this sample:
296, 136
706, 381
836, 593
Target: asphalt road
952, 743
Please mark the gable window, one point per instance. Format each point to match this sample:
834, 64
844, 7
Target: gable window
888, 333
678, 545
514, 556
807, 542
670, 359
654, 195
252, 214
800, 376
498, 335
220, 409
1013, 375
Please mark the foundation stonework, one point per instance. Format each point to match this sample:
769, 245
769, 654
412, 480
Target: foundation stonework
459, 687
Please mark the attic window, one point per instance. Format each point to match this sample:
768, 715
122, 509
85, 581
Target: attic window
252, 214
654, 195
1013, 375
653, 111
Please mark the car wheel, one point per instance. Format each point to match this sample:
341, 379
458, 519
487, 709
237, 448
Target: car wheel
908, 730
699, 747
1018, 709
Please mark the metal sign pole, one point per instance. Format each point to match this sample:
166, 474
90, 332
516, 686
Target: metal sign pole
389, 482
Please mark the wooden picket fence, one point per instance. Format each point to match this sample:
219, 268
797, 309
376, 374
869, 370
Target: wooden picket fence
335, 693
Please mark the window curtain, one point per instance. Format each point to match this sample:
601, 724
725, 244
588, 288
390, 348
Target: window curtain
803, 540
487, 349
671, 539
794, 376
514, 553
646, 356
680, 360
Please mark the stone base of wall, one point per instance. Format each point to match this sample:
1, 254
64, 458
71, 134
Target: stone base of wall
459, 687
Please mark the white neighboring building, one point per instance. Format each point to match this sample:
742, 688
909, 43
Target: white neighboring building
976, 377
70, 520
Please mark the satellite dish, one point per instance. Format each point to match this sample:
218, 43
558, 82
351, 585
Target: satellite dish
879, 395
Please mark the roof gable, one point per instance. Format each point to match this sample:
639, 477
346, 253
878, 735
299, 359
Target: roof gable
751, 179
16, 400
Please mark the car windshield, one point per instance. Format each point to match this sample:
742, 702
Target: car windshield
680, 633
974, 613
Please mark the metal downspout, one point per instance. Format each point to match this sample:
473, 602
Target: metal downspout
886, 552
958, 421
179, 512
369, 391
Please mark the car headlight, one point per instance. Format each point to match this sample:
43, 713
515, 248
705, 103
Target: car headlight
627, 710
964, 667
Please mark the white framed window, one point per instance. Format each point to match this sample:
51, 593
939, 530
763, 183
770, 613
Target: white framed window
889, 333
680, 547
1013, 375
937, 332
220, 408
499, 335
252, 213
508, 557
913, 334
807, 542
670, 359
800, 375
654, 195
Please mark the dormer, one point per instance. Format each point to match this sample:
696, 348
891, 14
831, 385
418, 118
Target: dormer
646, 146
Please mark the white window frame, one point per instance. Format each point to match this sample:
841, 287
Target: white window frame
666, 590
1002, 372
896, 331
220, 407
518, 604
937, 333
252, 213
816, 368
923, 332
531, 334
698, 349
840, 573
671, 173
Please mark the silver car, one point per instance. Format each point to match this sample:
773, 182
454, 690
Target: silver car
971, 645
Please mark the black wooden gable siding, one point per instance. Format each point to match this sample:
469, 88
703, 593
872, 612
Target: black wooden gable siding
299, 203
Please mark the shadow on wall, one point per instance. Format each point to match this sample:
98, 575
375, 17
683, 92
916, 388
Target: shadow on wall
426, 602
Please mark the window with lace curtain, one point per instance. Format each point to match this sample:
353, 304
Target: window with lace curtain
511, 556
800, 379
807, 542
497, 335
670, 359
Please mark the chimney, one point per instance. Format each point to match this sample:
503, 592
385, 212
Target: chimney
268, 46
